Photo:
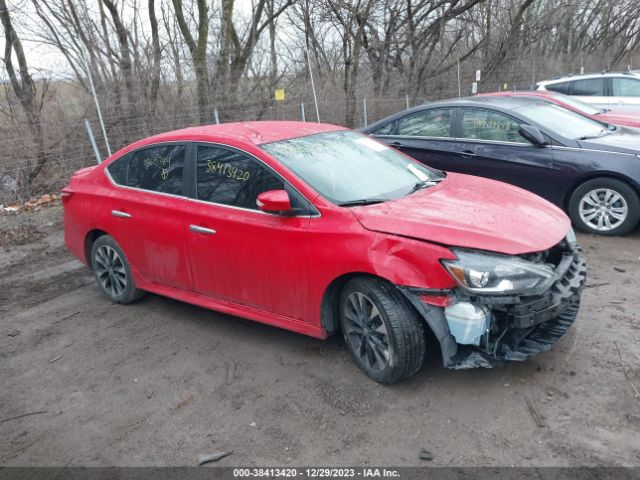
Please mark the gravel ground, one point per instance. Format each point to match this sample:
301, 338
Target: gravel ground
159, 382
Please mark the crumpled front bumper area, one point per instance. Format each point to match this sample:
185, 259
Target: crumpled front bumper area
520, 327
524, 327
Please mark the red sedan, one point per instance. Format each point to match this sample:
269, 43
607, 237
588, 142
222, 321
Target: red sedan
611, 116
319, 229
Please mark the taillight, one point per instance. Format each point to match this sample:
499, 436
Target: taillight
66, 195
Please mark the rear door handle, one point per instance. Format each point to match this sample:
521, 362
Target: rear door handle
467, 153
119, 214
204, 230
395, 144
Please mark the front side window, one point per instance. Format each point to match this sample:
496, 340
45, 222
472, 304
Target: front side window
158, 169
427, 123
346, 166
481, 124
232, 178
591, 87
625, 87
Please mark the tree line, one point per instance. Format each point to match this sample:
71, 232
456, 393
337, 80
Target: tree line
150, 59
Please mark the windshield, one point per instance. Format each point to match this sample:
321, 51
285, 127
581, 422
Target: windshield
578, 104
347, 167
562, 121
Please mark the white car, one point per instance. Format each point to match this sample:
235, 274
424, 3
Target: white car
608, 90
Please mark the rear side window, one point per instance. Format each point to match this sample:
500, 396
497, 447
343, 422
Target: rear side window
484, 124
232, 178
159, 169
428, 123
591, 87
562, 87
625, 87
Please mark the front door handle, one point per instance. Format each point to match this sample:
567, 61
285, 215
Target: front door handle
395, 144
468, 153
204, 230
119, 214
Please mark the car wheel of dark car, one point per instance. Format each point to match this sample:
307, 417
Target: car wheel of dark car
383, 333
605, 206
112, 271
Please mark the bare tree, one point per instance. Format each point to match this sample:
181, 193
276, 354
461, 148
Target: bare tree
25, 90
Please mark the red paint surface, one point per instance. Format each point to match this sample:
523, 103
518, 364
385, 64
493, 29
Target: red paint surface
276, 269
612, 116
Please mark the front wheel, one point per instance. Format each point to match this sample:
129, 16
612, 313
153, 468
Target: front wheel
605, 206
112, 271
384, 335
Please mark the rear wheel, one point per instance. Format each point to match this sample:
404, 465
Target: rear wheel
112, 271
605, 206
383, 333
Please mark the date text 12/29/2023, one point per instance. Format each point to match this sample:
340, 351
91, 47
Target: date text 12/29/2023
316, 472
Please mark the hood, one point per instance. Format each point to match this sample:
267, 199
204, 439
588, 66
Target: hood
623, 140
471, 212
619, 118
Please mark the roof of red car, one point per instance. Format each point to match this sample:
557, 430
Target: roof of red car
255, 133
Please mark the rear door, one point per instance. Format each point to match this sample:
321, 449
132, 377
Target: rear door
147, 212
491, 147
424, 135
592, 90
238, 253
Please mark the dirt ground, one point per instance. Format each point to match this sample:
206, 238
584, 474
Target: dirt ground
159, 382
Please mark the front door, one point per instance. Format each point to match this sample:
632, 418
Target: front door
238, 253
490, 146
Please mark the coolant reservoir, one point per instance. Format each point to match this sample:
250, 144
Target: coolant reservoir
467, 322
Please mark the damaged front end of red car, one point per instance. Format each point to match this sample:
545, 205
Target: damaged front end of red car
484, 324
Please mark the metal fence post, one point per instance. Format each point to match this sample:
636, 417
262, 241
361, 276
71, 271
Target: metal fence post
364, 111
215, 115
302, 112
92, 140
406, 101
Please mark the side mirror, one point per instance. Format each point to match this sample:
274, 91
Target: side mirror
533, 134
274, 201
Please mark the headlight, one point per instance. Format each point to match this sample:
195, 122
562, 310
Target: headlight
571, 237
486, 273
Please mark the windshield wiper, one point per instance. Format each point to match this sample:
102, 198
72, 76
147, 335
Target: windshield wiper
362, 201
602, 134
425, 184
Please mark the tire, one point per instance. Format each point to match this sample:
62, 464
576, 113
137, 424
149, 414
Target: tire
389, 347
592, 210
112, 271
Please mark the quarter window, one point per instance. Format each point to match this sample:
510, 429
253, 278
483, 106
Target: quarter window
483, 124
427, 123
118, 170
562, 87
232, 178
591, 87
158, 169
625, 87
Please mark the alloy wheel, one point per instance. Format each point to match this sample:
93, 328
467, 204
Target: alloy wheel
365, 330
110, 270
603, 209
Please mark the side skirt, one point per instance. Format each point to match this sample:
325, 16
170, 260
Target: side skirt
235, 309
